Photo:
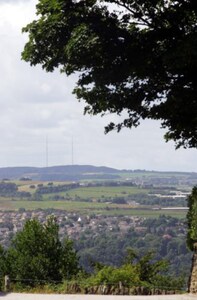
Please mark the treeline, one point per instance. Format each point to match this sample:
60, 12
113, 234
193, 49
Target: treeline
37, 257
50, 188
166, 236
10, 189
145, 199
153, 200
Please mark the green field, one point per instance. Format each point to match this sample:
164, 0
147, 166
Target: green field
107, 192
25, 186
31, 205
146, 213
96, 192
89, 207
83, 199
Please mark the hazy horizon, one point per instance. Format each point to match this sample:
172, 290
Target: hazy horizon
99, 166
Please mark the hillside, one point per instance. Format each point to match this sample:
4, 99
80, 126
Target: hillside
89, 172
69, 172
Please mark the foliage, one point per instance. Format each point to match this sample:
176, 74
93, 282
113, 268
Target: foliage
38, 256
127, 274
30, 250
161, 202
56, 188
119, 200
164, 235
139, 58
148, 269
168, 282
2, 266
135, 272
69, 261
192, 219
8, 188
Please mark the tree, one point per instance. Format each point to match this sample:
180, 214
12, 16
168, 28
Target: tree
136, 271
2, 262
139, 58
69, 261
37, 255
148, 269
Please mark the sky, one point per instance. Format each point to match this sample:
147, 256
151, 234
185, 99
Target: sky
41, 122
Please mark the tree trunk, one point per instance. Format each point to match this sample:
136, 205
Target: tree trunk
192, 285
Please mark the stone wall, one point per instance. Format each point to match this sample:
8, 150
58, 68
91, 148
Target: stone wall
116, 290
193, 277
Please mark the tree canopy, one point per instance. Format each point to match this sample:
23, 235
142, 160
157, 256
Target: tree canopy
37, 255
136, 271
136, 59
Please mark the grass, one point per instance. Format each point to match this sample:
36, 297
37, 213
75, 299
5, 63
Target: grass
25, 185
87, 207
147, 213
85, 192
66, 205
107, 192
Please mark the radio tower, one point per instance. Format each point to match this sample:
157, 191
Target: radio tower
72, 159
47, 151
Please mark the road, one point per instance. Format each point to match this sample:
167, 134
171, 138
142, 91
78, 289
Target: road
14, 296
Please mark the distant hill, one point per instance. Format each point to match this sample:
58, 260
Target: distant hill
69, 172
89, 172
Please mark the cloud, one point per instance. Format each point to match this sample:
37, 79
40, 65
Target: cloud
14, 15
13, 1
35, 104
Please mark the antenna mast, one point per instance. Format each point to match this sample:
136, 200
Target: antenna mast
47, 151
72, 155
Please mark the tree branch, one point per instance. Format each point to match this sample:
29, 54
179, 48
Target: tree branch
145, 22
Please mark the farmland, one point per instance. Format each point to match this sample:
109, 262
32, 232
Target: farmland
98, 192
107, 199
141, 193
87, 207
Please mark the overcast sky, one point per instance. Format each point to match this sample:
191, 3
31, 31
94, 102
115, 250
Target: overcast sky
36, 106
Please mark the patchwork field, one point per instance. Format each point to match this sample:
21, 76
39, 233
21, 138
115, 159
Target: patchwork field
89, 207
111, 197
